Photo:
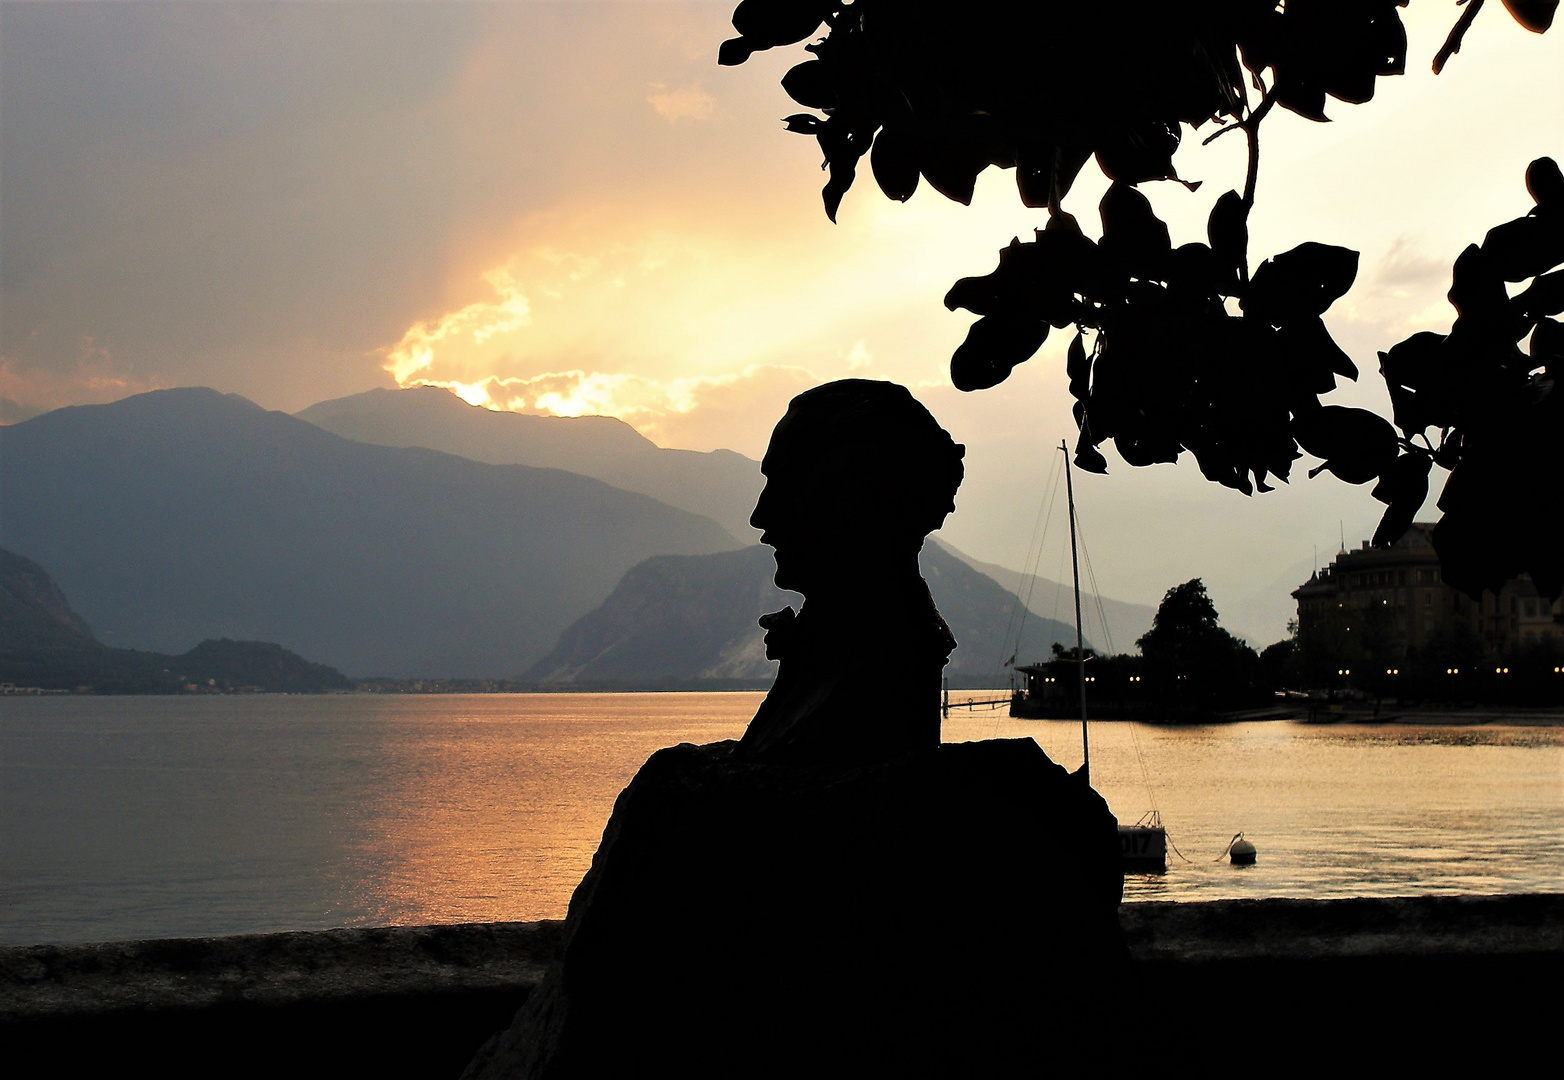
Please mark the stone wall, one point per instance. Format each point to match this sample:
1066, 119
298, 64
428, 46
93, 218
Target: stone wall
1426, 979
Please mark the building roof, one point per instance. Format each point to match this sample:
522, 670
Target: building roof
1414, 548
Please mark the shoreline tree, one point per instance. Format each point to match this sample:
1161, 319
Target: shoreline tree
1188, 652
1194, 347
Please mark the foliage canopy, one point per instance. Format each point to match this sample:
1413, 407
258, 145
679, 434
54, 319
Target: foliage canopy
1188, 348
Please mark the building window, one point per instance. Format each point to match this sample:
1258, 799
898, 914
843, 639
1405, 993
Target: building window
1531, 609
1428, 599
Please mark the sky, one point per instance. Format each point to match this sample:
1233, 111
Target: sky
568, 207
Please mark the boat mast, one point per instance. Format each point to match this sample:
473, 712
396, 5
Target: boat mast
1080, 650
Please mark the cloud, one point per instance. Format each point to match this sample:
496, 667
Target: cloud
728, 412
662, 316
92, 377
733, 412
476, 323
685, 103
1408, 267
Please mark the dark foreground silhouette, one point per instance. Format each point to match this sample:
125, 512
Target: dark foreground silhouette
1190, 344
837, 891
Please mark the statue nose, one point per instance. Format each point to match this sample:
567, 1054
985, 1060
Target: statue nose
757, 516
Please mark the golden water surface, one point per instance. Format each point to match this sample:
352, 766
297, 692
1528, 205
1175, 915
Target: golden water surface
148, 817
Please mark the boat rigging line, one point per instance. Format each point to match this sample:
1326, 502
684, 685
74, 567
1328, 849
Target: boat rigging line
1080, 650
1155, 813
1029, 568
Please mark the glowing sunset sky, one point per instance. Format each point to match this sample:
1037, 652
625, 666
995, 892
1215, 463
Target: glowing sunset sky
568, 207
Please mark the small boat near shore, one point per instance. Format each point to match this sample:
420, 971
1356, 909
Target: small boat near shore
1143, 846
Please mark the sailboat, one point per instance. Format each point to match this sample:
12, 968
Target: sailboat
1143, 846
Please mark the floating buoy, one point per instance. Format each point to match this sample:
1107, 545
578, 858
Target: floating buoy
1241, 851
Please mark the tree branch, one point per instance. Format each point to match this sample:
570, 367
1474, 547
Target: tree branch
1251, 126
1452, 43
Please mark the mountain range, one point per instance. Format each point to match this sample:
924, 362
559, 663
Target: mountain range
45, 644
180, 515
719, 484
683, 619
1116, 630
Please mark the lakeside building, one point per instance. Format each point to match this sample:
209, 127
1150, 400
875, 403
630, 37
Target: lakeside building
1399, 594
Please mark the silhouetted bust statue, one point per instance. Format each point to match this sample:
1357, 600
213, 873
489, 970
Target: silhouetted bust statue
857, 474
839, 892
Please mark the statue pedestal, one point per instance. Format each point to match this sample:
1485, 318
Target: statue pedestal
952, 909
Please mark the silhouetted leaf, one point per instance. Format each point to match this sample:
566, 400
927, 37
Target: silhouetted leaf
995, 344
1144, 448
843, 172
1132, 235
1078, 367
804, 123
1300, 284
1356, 444
768, 23
1305, 98
1403, 487
1045, 173
1523, 248
1334, 47
1547, 348
1478, 293
1417, 376
1228, 229
1088, 457
1534, 15
1400, 514
1546, 183
894, 161
843, 145
1545, 296
734, 51
1196, 270
1006, 291
1316, 357
1140, 152
1076, 262
952, 172
810, 84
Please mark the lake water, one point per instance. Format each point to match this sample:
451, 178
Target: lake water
164, 817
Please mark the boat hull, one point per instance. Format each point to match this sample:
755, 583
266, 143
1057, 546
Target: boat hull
1143, 849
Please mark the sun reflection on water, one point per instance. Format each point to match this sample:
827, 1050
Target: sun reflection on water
164, 817
491, 807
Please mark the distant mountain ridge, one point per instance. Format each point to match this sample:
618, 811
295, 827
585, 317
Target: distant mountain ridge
1126, 622
721, 484
181, 515
674, 618
43, 643
684, 619
30, 595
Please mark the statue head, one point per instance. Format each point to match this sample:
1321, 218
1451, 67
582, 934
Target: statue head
857, 474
